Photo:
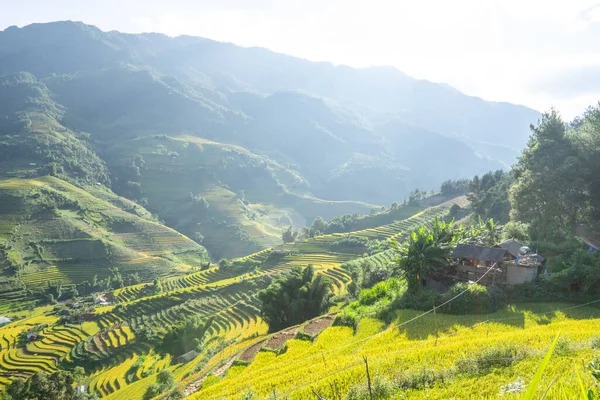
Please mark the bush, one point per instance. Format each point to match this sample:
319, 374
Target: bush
421, 378
487, 360
516, 230
249, 394
152, 391
298, 296
353, 244
476, 299
386, 289
382, 389
346, 319
563, 346
165, 379
422, 300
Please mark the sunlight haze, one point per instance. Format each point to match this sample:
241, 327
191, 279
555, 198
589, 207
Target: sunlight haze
536, 53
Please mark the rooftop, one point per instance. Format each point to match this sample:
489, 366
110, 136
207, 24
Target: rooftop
512, 246
478, 252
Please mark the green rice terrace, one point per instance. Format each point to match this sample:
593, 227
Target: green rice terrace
87, 233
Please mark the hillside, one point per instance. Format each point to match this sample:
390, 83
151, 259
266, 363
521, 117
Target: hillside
232, 156
439, 355
181, 217
108, 345
313, 117
52, 230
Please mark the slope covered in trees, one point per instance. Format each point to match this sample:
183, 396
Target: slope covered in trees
333, 125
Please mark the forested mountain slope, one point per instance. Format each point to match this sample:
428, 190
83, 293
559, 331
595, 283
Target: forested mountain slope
130, 85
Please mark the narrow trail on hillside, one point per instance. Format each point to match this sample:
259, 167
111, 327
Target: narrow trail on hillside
220, 371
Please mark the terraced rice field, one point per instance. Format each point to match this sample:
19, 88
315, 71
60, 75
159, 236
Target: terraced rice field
334, 359
71, 243
211, 275
108, 347
41, 355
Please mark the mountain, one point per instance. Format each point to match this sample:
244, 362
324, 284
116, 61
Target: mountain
266, 140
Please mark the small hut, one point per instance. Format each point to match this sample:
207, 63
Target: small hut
187, 357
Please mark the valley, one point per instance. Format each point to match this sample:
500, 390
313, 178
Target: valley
187, 218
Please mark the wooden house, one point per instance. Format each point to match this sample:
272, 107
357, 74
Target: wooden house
508, 263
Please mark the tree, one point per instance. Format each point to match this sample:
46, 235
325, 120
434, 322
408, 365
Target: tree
186, 337
492, 232
318, 226
586, 141
289, 235
165, 379
548, 186
294, 298
425, 251
78, 373
56, 386
489, 195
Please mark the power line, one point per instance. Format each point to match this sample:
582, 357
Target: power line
376, 334
424, 343
421, 344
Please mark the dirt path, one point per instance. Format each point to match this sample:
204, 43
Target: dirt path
195, 386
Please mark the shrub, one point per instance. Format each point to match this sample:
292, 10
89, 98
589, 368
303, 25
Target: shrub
296, 297
165, 379
516, 230
152, 391
355, 244
487, 360
249, 394
421, 378
422, 300
476, 299
563, 346
386, 289
346, 319
382, 389
595, 342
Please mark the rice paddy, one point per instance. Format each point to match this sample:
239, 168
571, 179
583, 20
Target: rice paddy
108, 348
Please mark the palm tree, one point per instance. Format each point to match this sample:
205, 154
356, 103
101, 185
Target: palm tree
425, 251
492, 232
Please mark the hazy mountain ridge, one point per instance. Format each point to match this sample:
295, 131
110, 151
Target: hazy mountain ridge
310, 130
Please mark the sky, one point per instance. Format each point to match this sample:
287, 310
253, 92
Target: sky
539, 53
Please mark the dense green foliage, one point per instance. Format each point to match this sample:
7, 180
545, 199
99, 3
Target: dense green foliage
186, 337
473, 299
55, 386
164, 381
489, 195
426, 250
294, 298
556, 176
